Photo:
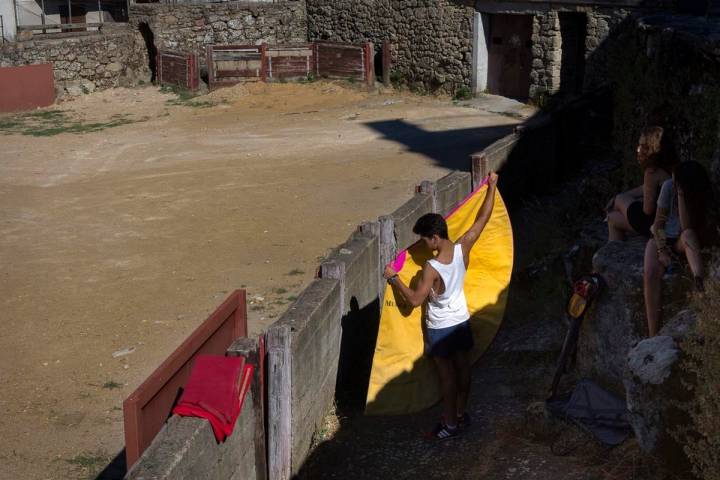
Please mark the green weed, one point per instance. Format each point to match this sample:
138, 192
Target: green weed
90, 463
463, 93
48, 123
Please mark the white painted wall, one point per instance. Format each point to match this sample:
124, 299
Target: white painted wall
8, 18
481, 34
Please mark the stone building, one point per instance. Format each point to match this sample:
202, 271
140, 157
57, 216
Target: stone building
531, 48
517, 48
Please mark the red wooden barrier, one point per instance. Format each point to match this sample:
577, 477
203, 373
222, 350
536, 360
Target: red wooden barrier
26, 87
180, 69
147, 408
344, 60
289, 61
232, 64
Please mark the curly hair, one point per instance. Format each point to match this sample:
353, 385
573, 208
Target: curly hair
431, 224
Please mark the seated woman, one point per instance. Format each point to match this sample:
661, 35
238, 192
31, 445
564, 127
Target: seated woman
680, 227
634, 211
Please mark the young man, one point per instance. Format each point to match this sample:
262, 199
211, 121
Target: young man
448, 326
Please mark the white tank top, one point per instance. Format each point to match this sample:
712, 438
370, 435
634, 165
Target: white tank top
450, 308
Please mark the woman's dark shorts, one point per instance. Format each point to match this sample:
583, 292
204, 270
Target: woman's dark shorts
638, 219
446, 342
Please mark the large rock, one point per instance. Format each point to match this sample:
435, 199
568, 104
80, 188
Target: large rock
617, 320
654, 385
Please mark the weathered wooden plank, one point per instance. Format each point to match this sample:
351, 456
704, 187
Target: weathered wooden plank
279, 402
251, 350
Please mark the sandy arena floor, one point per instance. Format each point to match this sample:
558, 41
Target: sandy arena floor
122, 240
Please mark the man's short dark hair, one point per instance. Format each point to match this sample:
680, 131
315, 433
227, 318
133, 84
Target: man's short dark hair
431, 224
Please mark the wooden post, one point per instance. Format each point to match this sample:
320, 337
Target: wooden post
479, 168
241, 314
158, 68
370, 64
263, 63
251, 349
336, 270
386, 62
387, 245
279, 403
369, 228
316, 59
427, 187
210, 66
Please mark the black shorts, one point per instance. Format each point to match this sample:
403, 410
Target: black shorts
446, 342
638, 219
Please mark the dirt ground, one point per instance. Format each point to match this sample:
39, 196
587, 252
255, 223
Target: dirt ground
127, 216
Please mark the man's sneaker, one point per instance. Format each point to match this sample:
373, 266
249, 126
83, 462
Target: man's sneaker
463, 421
443, 432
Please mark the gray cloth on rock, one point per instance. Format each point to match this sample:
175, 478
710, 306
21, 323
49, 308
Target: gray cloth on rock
599, 412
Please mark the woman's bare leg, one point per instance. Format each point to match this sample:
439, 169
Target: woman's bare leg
690, 246
652, 286
618, 224
623, 201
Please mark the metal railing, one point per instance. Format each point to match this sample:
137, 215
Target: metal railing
43, 23
2, 31
180, 2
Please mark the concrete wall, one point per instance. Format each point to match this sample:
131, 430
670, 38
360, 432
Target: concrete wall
326, 339
320, 350
192, 27
450, 190
186, 449
301, 383
85, 63
356, 265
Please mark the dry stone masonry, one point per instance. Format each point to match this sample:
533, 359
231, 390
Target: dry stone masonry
432, 39
83, 64
192, 27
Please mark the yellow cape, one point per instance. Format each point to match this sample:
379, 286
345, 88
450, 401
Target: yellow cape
403, 379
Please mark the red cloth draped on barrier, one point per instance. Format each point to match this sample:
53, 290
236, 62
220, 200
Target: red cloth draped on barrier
215, 391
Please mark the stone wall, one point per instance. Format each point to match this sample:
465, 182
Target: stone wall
432, 39
546, 54
547, 49
665, 70
192, 27
601, 24
82, 64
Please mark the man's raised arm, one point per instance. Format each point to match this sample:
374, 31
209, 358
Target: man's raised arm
470, 237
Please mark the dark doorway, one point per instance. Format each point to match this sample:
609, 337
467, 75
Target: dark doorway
573, 30
72, 13
510, 55
149, 38
378, 60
